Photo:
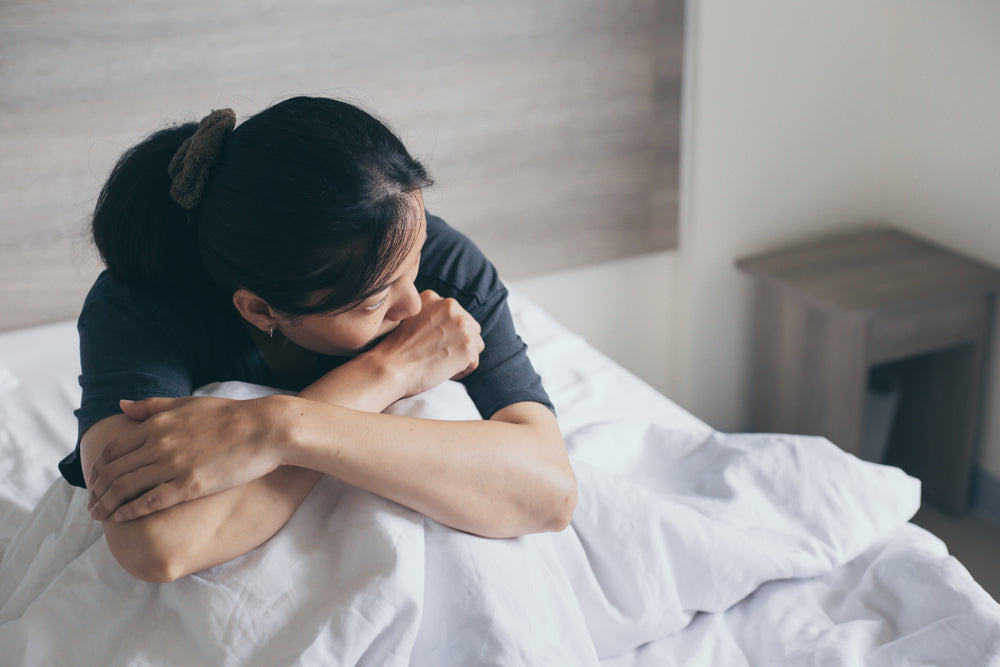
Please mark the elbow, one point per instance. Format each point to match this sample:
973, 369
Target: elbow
142, 557
155, 574
157, 571
150, 568
549, 510
563, 504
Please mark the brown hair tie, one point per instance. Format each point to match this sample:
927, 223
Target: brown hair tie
188, 169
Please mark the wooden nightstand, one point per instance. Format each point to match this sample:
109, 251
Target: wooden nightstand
830, 311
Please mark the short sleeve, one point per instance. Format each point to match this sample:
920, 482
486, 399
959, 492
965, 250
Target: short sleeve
129, 348
505, 375
454, 267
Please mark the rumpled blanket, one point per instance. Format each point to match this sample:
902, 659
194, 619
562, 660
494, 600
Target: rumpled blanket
674, 525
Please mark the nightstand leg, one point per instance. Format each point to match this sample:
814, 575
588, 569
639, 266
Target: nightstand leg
809, 372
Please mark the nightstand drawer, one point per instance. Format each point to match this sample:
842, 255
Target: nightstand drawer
899, 334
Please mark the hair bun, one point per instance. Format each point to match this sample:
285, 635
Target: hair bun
190, 166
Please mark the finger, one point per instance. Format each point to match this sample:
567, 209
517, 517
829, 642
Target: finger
124, 444
146, 408
133, 410
123, 490
160, 498
468, 370
117, 469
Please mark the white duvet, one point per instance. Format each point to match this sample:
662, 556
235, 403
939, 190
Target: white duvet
688, 547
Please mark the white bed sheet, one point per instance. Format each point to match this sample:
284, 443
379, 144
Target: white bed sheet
694, 546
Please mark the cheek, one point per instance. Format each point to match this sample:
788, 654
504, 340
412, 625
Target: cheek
337, 338
352, 338
365, 331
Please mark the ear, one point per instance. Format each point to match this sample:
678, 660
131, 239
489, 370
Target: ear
255, 310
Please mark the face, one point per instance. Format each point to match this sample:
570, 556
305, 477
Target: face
346, 333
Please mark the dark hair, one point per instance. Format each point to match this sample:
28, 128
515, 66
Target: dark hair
308, 196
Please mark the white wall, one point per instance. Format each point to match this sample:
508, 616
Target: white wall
942, 174
786, 102
776, 96
622, 308
800, 118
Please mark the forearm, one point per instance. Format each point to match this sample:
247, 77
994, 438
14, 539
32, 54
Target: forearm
208, 531
506, 476
491, 478
503, 477
499, 478
213, 529
365, 383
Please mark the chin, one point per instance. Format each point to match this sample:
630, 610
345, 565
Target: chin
369, 345
330, 351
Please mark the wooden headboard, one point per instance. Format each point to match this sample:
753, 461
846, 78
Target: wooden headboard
551, 128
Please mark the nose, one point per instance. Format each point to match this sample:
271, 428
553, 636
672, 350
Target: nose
407, 304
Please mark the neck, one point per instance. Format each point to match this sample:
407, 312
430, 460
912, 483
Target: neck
290, 364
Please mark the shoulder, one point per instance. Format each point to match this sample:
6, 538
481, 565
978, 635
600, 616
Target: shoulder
107, 287
452, 265
109, 296
112, 303
118, 317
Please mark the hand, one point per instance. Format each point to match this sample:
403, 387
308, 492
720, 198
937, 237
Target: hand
184, 448
440, 342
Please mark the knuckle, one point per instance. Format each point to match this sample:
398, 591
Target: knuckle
162, 419
151, 502
111, 498
191, 485
172, 458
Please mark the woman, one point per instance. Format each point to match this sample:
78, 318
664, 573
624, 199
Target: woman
294, 251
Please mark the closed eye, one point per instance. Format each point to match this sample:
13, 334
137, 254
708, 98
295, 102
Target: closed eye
374, 306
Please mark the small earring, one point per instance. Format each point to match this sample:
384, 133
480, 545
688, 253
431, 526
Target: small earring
270, 333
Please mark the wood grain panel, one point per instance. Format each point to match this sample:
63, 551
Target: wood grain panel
809, 374
874, 269
831, 310
541, 122
902, 333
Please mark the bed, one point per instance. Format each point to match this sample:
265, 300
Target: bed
688, 547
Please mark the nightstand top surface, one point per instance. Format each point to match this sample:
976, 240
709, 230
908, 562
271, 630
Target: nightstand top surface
872, 269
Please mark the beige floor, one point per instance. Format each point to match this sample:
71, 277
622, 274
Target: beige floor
973, 540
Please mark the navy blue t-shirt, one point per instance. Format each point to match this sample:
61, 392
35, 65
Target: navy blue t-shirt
136, 344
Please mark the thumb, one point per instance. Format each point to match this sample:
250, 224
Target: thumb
146, 408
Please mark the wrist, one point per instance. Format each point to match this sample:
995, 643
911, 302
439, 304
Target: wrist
305, 437
385, 373
369, 382
279, 427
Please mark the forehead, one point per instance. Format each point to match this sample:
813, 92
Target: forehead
416, 224
412, 241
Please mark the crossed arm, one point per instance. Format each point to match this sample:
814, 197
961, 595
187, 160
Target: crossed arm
200, 481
